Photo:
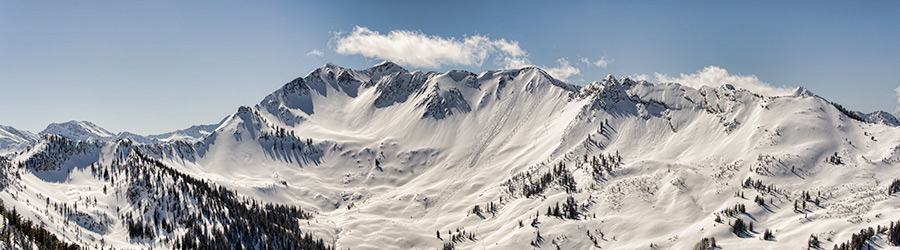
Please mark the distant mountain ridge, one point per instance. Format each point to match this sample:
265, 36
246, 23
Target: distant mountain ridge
880, 117
192, 133
12, 139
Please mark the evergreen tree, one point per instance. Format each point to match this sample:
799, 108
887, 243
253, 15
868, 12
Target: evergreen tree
739, 228
767, 235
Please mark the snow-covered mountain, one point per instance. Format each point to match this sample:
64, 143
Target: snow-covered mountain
85, 130
880, 117
78, 130
12, 139
190, 134
506, 159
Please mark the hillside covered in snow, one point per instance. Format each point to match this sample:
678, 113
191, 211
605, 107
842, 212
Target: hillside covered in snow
385, 158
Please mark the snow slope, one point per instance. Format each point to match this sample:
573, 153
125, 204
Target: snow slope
387, 158
12, 139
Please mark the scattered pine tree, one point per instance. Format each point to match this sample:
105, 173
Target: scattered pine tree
706, 244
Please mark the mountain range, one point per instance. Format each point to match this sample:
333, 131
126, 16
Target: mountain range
504, 159
12, 139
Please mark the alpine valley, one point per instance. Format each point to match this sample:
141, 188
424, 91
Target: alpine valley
384, 158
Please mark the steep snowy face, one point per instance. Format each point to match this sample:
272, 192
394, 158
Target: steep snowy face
440, 104
340, 99
391, 81
78, 130
12, 139
397, 87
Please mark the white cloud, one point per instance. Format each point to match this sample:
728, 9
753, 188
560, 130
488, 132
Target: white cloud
315, 52
514, 62
564, 70
715, 76
897, 91
511, 48
641, 77
416, 49
603, 62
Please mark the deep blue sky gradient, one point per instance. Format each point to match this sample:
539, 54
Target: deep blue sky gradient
155, 66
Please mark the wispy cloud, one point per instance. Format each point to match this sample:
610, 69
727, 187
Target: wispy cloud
564, 70
416, 49
897, 108
603, 62
641, 77
315, 52
714, 76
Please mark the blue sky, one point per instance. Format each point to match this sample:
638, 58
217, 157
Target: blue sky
155, 66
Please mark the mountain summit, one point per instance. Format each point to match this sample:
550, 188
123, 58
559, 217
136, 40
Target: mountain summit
78, 130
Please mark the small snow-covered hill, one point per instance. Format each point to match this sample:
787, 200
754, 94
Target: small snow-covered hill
881, 117
506, 159
78, 130
192, 133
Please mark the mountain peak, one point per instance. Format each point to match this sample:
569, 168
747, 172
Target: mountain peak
536, 69
803, 92
549, 78
332, 65
384, 68
880, 117
608, 81
386, 64
610, 78
78, 130
329, 70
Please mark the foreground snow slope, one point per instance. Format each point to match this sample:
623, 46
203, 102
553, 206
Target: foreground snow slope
386, 158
